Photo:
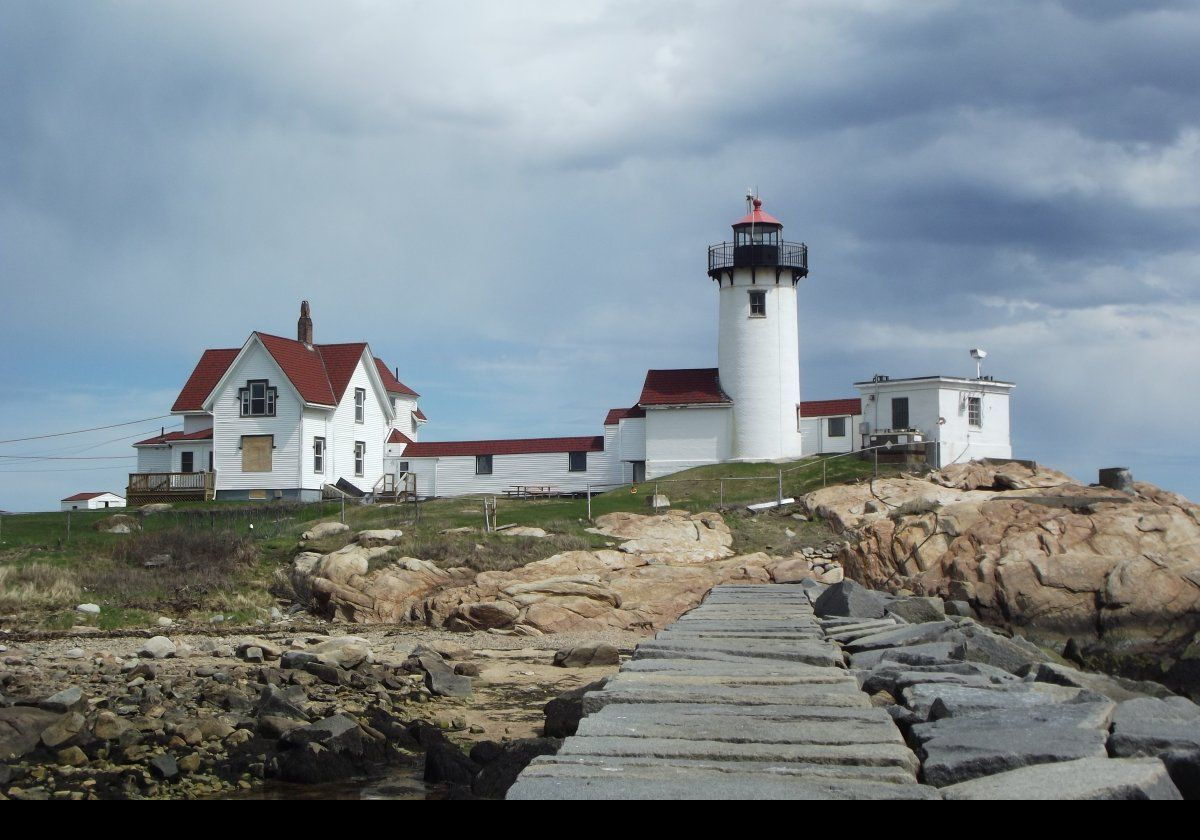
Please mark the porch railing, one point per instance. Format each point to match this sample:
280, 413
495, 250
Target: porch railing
172, 482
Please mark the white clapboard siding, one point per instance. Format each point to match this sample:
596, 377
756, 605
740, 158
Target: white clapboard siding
199, 450
153, 459
816, 435
229, 427
317, 425
682, 438
455, 475
633, 439
196, 422
345, 431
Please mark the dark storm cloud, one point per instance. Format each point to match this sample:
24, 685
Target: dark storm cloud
512, 201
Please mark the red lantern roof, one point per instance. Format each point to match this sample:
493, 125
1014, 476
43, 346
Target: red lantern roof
758, 217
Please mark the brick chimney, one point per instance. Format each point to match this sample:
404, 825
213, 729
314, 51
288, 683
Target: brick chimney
304, 325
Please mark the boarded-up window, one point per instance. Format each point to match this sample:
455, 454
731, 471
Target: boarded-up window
256, 452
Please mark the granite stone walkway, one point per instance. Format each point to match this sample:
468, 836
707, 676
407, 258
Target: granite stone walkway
744, 697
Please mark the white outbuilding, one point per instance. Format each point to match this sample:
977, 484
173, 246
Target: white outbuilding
93, 501
957, 418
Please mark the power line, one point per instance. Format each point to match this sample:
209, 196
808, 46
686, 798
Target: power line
62, 469
81, 431
68, 457
84, 447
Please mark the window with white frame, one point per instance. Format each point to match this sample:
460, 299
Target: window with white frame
975, 411
758, 304
257, 399
577, 462
360, 405
836, 427
360, 457
319, 455
483, 465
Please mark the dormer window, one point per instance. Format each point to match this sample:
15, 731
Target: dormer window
257, 399
360, 405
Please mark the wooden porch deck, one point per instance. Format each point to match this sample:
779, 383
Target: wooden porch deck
147, 488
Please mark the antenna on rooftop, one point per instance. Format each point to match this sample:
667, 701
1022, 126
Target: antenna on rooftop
978, 354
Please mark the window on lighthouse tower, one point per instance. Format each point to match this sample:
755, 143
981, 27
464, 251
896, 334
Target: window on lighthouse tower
758, 304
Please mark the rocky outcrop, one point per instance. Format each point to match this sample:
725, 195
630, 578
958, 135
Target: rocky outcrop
675, 537
665, 565
1032, 550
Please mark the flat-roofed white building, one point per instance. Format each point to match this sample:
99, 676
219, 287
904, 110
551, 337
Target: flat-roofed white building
960, 419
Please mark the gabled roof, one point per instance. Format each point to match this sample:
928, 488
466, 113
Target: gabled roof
208, 371
528, 446
306, 368
83, 497
398, 436
616, 415
830, 408
390, 383
175, 437
687, 386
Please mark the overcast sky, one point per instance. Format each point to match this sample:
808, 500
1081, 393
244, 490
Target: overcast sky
511, 202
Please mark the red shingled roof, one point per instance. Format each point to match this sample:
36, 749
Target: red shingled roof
210, 368
398, 436
83, 497
321, 373
420, 415
830, 408
390, 383
616, 415
172, 437
305, 367
689, 386
529, 446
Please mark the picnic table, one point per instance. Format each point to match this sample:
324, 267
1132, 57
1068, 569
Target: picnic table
531, 491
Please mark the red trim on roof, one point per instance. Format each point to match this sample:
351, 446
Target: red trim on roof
208, 371
420, 415
616, 415
830, 408
175, 437
83, 497
529, 446
758, 217
688, 386
398, 436
390, 383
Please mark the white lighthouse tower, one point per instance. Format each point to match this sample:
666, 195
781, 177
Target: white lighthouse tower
758, 352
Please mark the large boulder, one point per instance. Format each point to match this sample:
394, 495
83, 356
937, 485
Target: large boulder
118, 523
1148, 726
21, 730
677, 535
1031, 550
1083, 779
325, 529
852, 600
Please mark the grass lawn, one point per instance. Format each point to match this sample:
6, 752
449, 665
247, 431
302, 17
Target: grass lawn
224, 555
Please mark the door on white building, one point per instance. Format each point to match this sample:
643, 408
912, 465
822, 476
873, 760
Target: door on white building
639, 471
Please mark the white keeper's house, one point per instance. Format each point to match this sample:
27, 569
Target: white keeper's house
281, 418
